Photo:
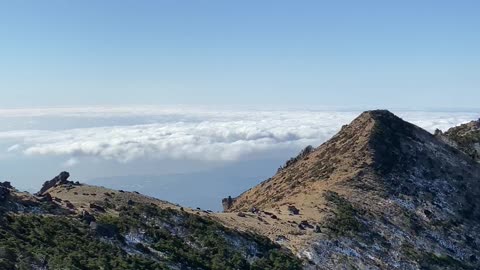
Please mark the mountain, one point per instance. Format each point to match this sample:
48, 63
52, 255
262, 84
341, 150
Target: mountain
68, 225
465, 137
381, 194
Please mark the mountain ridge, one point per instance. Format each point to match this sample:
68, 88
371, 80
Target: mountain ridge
69, 225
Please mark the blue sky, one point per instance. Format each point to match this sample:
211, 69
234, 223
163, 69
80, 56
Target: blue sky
393, 54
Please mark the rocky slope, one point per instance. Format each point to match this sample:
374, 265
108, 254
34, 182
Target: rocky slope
381, 194
465, 137
68, 225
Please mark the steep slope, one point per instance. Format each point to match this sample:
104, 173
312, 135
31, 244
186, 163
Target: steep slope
381, 194
68, 225
465, 137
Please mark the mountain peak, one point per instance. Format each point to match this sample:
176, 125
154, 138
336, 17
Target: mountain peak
380, 181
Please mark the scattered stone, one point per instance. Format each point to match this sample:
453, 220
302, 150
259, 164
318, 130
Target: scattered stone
293, 210
69, 205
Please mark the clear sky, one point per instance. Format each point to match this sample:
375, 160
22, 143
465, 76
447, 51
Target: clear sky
408, 54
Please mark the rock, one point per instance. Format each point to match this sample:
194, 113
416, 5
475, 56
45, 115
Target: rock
46, 197
317, 229
303, 154
227, 203
6, 184
69, 205
97, 207
60, 179
240, 214
87, 217
130, 202
4, 192
305, 224
293, 210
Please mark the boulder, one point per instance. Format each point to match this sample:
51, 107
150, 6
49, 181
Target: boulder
46, 197
227, 203
60, 179
4, 192
96, 207
87, 217
6, 184
69, 205
293, 210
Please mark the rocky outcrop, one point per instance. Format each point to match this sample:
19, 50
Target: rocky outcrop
227, 203
4, 192
465, 137
307, 150
60, 179
6, 184
5, 188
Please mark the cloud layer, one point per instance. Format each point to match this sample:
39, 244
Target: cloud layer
196, 134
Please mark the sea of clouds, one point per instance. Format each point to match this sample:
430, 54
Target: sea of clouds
129, 133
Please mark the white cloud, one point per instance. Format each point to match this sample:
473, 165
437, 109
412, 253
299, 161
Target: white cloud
13, 148
197, 134
70, 162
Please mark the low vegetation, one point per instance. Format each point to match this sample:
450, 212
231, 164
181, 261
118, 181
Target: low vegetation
344, 221
162, 238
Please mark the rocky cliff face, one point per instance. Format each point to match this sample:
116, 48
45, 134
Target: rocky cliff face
465, 137
381, 194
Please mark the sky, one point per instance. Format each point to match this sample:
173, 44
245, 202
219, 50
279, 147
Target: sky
295, 54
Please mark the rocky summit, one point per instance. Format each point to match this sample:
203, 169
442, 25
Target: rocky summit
381, 194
